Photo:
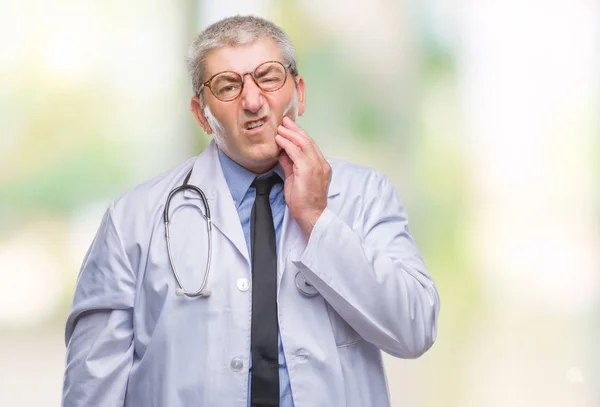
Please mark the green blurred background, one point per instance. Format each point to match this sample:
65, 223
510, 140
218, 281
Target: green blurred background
485, 114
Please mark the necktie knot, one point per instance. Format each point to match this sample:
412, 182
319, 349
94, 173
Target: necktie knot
263, 185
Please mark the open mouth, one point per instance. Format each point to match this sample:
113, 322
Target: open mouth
255, 124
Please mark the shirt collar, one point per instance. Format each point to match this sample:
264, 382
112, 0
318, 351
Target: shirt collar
240, 179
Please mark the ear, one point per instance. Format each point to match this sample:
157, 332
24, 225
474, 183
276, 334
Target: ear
198, 113
301, 95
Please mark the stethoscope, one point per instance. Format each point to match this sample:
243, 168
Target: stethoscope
181, 291
302, 284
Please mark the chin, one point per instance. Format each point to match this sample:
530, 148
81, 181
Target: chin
265, 153
262, 157
266, 146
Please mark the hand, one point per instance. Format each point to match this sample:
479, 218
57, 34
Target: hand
307, 175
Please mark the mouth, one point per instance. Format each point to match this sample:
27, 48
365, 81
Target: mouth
254, 126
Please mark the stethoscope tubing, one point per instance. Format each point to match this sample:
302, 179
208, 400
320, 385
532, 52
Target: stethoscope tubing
202, 291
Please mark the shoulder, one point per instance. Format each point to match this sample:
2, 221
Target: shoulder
347, 177
150, 195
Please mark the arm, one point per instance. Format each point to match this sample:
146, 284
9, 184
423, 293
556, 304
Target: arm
373, 276
99, 330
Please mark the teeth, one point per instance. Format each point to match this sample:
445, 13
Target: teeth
255, 124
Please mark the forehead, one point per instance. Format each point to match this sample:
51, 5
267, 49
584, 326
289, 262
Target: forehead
243, 58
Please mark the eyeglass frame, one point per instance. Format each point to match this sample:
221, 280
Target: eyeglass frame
206, 84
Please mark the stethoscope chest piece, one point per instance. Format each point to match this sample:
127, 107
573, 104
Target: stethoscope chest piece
304, 286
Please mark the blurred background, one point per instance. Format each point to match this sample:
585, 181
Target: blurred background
485, 114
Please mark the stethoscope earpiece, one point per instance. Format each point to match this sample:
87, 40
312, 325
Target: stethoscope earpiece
180, 292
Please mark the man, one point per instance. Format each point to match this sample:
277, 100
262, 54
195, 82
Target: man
313, 268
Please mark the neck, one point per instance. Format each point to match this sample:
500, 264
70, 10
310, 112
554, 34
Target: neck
259, 169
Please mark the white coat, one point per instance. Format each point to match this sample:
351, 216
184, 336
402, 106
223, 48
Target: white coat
131, 341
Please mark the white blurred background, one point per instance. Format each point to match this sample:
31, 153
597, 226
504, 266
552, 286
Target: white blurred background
484, 113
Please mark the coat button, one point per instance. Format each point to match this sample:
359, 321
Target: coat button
243, 284
301, 355
236, 364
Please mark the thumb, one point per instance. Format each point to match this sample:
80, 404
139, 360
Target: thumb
286, 164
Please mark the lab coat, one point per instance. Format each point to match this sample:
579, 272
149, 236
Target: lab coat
131, 341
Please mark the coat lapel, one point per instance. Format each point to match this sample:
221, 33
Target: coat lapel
207, 174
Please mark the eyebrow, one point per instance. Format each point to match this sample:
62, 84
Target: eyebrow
265, 71
227, 75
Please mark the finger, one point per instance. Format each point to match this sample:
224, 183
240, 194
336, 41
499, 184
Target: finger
294, 137
304, 142
292, 150
289, 123
286, 163
292, 125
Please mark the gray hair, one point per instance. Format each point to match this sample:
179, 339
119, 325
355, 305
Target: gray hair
233, 32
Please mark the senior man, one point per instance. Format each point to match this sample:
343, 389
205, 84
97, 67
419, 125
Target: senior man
305, 272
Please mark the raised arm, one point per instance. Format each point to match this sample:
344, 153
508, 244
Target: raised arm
373, 275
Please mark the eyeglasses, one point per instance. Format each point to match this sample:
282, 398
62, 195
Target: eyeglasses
269, 76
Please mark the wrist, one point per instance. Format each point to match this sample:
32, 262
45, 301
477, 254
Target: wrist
308, 221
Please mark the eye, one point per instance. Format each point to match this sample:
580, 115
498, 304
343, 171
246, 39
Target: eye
228, 88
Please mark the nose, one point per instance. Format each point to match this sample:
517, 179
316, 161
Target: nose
252, 97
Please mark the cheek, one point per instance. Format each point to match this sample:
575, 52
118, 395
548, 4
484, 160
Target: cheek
230, 124
287, 101
277, 100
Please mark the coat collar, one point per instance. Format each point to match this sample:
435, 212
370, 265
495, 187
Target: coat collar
207, 174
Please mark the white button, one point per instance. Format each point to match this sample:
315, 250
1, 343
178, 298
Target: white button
301, 355
243, 284
236, 364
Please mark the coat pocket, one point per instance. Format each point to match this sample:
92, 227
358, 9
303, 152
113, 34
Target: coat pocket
344, 334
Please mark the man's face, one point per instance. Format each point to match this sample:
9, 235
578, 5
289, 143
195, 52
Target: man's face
253, 148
